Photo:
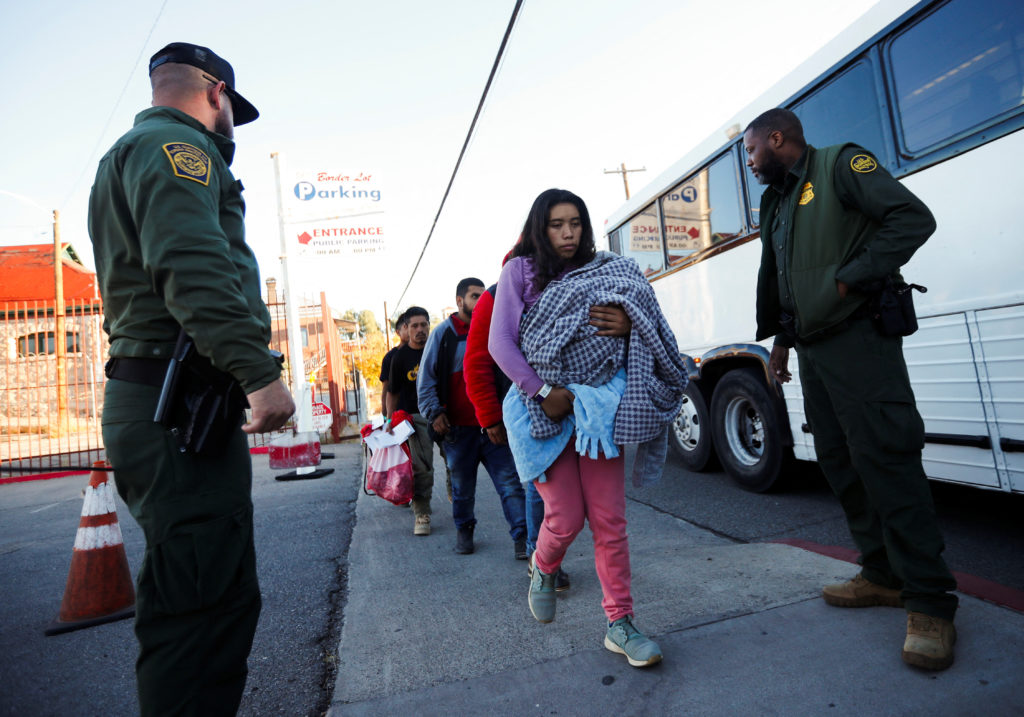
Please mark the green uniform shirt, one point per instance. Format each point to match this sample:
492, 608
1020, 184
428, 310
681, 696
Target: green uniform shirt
843, 219
780, 230
166, 222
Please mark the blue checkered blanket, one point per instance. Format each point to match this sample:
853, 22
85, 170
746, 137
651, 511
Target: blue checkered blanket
557, 339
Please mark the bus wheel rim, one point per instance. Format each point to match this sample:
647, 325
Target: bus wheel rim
744, 431
687, 426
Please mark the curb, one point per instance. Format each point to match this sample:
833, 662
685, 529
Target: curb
41, 476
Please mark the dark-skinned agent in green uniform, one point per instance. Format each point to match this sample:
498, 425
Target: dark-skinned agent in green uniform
166, 222
834, 225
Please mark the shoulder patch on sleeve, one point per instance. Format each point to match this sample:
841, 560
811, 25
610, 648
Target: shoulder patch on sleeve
189, 162
863, 163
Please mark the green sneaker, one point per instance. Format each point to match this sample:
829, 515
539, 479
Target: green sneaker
542, 594
561, 577
625, 639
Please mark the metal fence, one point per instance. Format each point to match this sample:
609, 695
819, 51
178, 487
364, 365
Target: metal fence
51, 383
51, 388
326, 362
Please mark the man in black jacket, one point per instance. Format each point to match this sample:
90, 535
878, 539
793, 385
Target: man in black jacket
401, 394
444, 401
402, 328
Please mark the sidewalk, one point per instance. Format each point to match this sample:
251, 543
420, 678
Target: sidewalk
742, 627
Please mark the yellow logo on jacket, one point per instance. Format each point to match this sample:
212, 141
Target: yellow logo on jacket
806, 194
189, 162
412, 374
863, 163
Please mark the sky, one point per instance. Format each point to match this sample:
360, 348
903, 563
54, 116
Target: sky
388, 89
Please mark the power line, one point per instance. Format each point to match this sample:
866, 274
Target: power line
117, 104
469, 135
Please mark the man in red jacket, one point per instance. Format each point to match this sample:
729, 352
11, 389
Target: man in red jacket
486, 386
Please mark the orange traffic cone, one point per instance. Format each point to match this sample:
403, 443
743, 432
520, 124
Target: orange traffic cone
99, 585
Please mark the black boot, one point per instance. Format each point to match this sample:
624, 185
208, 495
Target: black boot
464, 541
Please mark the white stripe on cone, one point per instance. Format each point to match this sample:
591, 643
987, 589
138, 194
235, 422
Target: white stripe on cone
103, 536
99, 500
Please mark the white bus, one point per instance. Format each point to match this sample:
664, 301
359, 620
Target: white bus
936, 91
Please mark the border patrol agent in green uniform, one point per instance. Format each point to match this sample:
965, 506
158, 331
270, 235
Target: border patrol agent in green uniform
834, 225
166, 222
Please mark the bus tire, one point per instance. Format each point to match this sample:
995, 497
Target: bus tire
690, 432
746, 434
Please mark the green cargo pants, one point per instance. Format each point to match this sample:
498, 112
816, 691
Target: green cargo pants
422, 450
868, 437
198, 597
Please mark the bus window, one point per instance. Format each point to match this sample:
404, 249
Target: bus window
614, 245
640, 238
846, 110
958, 68
754, 191
703, 211
726, 208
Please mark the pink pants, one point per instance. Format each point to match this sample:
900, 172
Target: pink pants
579, 488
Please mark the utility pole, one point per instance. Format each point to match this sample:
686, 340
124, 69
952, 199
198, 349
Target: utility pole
296, 361
60, 346
623, 171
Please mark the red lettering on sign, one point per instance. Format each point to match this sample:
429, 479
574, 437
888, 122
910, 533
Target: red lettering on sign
331, 177
347, 231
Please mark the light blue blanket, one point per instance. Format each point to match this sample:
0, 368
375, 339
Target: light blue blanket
593, 421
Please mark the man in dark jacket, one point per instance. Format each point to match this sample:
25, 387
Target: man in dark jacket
402, 328
835, 225
444, 401
166, 222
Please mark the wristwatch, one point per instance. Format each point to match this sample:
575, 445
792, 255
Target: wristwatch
542, 393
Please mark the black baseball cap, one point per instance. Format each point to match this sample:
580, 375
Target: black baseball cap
210, 62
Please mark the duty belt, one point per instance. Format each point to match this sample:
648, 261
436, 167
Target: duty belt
862, 312
147, 371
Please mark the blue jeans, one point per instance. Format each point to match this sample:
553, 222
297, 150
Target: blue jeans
466, 447
534, 516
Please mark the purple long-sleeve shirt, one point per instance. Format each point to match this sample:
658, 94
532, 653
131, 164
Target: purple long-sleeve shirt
513, 298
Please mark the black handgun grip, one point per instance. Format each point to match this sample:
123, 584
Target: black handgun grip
162, 415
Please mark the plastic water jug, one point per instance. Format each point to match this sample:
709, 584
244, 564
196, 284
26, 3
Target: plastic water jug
300, 450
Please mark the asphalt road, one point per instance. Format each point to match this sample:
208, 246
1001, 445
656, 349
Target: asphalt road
984, 530
303, 530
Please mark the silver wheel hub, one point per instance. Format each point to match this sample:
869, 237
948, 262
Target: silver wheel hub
744, 431
687, 425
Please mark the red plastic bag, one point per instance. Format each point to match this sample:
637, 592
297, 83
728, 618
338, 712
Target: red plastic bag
389, 475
